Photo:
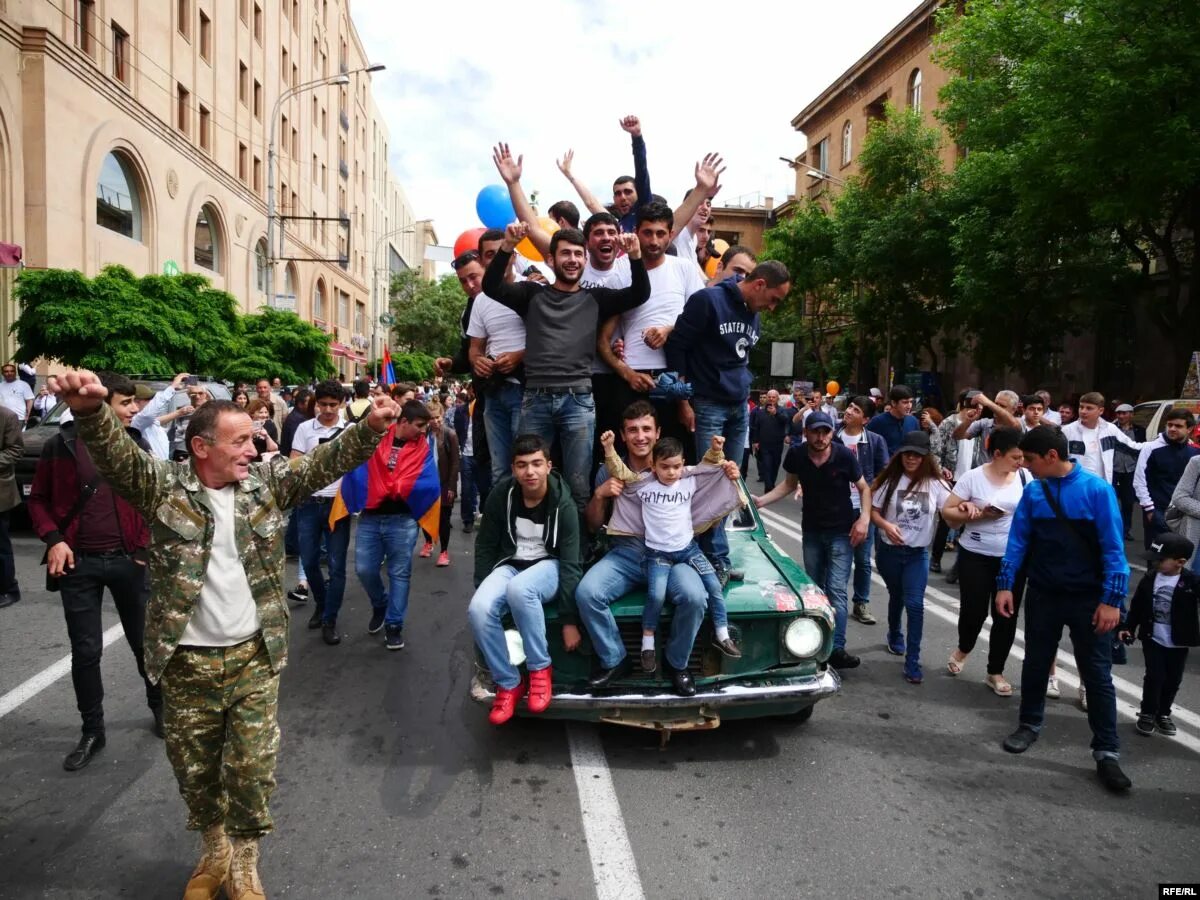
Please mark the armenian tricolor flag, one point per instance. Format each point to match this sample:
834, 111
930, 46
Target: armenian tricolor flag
406, 472
387, 375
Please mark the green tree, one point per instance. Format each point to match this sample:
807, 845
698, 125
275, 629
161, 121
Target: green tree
427, 314
154, 324
1088, 118
274, 343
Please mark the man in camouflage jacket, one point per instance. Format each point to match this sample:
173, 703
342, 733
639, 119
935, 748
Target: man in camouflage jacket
217, 652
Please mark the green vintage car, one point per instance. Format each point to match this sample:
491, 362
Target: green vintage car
781, 619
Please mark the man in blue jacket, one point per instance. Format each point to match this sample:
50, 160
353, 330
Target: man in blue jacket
1067, 533
710, 347
1159, 467
897, 420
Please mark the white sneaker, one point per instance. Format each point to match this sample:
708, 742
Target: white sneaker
1083, 696
1052, 691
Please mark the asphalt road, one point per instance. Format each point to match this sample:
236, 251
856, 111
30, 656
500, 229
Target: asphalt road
391, 782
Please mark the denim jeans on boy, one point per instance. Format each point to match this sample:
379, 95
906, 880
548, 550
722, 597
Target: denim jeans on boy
732, 420
314, 527
659, 564
621, 570
862, 568
521, 592
502, 418
1045, 616
905, 571
827, 556
391, 537
571, 417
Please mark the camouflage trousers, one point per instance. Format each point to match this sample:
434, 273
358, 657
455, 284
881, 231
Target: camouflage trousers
222, 736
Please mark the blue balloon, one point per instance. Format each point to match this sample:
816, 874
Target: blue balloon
494, 206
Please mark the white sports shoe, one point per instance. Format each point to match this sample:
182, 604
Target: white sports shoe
1052, 691
1083, 696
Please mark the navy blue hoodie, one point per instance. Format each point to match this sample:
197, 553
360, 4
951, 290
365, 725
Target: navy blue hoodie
710, 344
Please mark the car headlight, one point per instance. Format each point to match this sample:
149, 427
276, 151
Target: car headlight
516, 646
803, 637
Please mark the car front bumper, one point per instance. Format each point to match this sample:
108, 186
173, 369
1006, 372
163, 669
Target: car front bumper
665, 710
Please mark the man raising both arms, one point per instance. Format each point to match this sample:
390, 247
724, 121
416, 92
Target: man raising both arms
560, 343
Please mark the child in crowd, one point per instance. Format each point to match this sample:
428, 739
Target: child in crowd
668, 495
1165, 613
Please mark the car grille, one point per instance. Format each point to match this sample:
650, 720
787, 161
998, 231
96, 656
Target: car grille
631, 637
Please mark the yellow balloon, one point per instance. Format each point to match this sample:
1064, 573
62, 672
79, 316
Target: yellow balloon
710, 267
832, 388
526, 248
720, 245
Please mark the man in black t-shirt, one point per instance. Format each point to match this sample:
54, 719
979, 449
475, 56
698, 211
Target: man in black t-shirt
825, 470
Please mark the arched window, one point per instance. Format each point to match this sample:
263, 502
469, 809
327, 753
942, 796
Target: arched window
260, 265
847, 142
289, 280
118, 201
208, 239
318, 309
914, 90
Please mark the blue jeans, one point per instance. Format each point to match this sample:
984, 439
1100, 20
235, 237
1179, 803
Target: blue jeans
571, 417
621, 570
501, 418
733, 421
862, 568
827, 557
521, 592
468, 492
659, 564
314, 525
905, 571
1045, 616
390, 538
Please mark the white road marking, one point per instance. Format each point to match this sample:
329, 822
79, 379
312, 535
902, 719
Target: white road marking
614, 868
945, 607
27, 690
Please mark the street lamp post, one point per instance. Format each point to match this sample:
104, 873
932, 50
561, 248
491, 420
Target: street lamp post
375, 279
823, 176
341, 78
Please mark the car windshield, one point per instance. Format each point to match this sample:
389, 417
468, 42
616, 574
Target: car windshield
1143, 413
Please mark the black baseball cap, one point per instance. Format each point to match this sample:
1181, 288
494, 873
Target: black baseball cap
916, 442
1170, 545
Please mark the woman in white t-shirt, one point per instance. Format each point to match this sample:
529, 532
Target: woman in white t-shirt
906, 497
982, 506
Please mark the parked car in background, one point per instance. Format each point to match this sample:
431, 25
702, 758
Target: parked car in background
1150, 414
781, 619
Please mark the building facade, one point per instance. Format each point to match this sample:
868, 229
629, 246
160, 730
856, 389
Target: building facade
138, 133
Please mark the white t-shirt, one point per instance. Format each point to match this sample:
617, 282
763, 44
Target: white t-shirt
615, 276
225, 614
851, 442
988, 537
670, 286
915, 512
1164, 587
503, 329
685, 246
667, 513
13, 394
310, 435
1052, 417
1093, 457
966, 456
530, 534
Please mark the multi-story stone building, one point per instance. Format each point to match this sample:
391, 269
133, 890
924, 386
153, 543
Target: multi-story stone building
138, 133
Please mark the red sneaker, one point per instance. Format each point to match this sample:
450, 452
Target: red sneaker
426, 551
444, 558
539, 690
505, 704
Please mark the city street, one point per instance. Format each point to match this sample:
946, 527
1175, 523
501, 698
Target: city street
392, 783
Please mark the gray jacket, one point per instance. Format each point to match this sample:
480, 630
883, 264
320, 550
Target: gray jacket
1187, 499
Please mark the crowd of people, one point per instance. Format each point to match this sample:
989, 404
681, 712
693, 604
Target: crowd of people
603, 399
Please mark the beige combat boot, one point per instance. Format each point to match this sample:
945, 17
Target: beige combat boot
215, 855
243, 882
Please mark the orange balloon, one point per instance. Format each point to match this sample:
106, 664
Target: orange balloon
710, 267
526, 248
832, 388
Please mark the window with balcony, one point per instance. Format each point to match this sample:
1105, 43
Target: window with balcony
318, 300
283, 122
820, 156
295, 142
285, 66
120, 54
343, 309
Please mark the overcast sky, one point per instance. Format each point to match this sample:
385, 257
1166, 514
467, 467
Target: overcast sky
702, 76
